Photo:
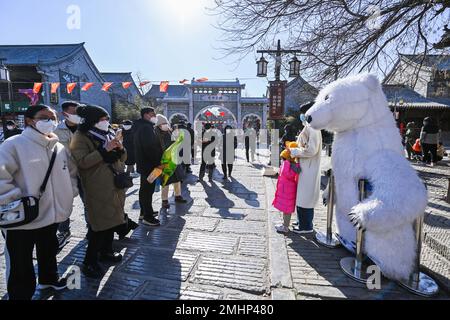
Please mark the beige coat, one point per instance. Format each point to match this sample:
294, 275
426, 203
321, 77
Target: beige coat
104, 202
24, 161
309, 154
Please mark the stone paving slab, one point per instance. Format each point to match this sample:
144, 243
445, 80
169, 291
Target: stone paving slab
238, 273
253, 246
161, 264
208, 242
242, 227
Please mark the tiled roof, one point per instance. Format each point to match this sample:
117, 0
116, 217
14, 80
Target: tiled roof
438, 61
411, 99
117, 76
35, 54
174, 91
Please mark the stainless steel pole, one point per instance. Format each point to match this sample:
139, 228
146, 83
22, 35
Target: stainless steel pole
419, 283
355, 268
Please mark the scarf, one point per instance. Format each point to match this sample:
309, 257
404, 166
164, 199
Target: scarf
102, 136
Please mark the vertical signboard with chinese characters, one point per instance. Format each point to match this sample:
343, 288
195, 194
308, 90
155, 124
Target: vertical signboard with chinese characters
277, 90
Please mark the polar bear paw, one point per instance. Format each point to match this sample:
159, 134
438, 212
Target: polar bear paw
356, 220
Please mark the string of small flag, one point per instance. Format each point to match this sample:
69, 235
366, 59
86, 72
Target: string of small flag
106, 86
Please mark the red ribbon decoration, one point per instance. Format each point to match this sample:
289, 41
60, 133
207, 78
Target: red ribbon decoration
107, 86
126, 85
37, 87
87, 86
54, 87
164, 86
71, 87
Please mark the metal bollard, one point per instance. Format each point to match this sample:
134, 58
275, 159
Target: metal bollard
329, 240
419, 283
355, 268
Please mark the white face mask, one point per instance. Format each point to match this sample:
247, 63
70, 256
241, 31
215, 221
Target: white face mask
154, 120
73, 118
10, 128
165, 127
46, 126
103, 125
126, 127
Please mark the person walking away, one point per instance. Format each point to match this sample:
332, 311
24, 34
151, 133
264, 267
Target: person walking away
411, 136
128, 143
164, 136
308, 191
98, 154
25, 163
11, 129
206, 165
65, 131
148, 155
228, 159
429, 139
286, 192
250, 143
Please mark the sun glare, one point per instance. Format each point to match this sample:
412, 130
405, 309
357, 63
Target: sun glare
185, 10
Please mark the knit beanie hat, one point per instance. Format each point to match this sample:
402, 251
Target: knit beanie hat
91, 113
160, 119
33, 110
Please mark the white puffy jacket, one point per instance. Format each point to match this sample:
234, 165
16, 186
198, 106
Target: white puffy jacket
24, 160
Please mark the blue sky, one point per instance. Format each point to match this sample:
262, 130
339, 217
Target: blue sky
161, 39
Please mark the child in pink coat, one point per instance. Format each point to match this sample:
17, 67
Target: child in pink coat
286, 193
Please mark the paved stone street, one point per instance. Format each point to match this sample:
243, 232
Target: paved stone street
222, 245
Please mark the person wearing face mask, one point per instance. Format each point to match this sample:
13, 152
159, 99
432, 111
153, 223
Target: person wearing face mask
148, 153
308, 191
11, 129
128, 143
65, 131
164, 136
25, 160
97, 153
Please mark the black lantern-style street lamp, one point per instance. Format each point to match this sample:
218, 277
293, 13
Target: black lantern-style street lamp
262, 67
294, 68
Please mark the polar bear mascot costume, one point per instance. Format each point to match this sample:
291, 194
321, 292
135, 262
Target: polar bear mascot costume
368, 146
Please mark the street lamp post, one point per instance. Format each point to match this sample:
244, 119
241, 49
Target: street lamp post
4, 77
277, 87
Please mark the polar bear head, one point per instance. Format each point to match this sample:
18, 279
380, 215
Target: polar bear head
349, 103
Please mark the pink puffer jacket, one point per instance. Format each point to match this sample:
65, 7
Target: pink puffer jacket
286, 194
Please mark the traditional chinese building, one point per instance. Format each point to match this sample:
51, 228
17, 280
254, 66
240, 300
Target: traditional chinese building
64, 63
419, 86
118, 93
219, 103
299, 92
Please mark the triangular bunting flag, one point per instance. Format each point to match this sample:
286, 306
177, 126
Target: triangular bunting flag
202, 80
70, 87
87, 86
37, 87
164, 86
144, 83
126, 85
54, 87
106, 86
184, 81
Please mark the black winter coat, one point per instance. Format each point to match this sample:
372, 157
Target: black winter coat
12, 133
147, 148
128, 143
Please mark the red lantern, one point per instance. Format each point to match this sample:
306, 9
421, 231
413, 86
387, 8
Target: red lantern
222, 114
208, 113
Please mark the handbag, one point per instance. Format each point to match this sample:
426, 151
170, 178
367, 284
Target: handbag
122, 180
21, 212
